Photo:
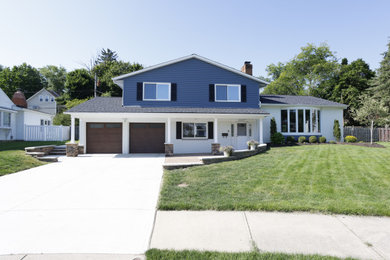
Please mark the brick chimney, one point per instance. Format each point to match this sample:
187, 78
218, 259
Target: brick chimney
19, 99
247, 68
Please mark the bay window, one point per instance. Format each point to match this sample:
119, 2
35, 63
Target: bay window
300, 120
194, 130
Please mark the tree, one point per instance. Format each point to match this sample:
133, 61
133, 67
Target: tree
55, 77
381, 83
107, 70
23, 77
336, 130
352, 80
305, 73
107, 55
79, 84
64, 119
273, 126
372, 111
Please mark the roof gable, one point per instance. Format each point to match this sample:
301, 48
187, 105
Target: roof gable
5, 101
119, 80
50, 92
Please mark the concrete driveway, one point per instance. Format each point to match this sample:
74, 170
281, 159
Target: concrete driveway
88, 204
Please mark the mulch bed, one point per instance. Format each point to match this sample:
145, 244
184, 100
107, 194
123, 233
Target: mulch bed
375, 145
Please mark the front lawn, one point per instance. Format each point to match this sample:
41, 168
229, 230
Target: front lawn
13, 158
153, 254
341, 179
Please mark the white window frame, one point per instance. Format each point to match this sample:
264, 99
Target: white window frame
169, 91
194, 138
2, 117
227, 86
311, 130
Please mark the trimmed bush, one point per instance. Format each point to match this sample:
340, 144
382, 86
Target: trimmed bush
277, 138
322, 139
273, 126
313, 139
332, 142
350, 139
336, 130
290, 139
302, 139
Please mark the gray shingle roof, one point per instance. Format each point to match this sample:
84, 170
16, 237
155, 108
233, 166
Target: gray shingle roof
298, 100
114, 105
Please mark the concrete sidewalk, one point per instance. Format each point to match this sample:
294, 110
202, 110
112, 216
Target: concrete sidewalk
335, 235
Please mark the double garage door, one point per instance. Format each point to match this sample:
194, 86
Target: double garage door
107, 137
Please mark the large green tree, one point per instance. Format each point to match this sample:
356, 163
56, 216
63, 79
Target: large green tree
55, 77
381, 83
305, 73
79, 84
23, 77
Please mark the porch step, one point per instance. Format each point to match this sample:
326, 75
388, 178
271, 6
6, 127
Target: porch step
36, 154
48, 159
58, 150
57, 153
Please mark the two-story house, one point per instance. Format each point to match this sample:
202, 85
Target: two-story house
188, 105
43, 101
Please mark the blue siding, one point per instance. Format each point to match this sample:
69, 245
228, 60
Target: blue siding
192, 78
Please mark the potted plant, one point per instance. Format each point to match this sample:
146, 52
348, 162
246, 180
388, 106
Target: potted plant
252, 144
227, 150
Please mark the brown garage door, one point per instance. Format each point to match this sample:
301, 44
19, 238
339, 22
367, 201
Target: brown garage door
147, 138
104, 137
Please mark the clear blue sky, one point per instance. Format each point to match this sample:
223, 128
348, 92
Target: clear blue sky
69, 33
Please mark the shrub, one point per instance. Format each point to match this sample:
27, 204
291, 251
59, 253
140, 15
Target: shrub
322, 139
313, 139
336, 130
302, 139
228, 149
332, 142
350, 139
277, 138
290, 139
273, 126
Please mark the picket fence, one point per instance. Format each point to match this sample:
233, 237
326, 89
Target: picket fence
46, 133
363, 133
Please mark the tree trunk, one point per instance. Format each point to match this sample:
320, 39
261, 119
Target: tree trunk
372, 130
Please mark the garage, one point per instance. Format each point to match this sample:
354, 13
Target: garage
104, 137
147, 137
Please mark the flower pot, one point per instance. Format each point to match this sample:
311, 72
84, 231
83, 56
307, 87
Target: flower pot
226, 154
253, 147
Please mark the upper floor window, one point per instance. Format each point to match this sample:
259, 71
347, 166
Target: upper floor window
227, 93
40, 98
46, 98
300, 120
156, 91
52, 99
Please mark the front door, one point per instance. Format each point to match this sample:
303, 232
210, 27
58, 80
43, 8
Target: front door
242, 136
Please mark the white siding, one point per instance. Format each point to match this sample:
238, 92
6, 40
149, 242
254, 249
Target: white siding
328, 115
43, 106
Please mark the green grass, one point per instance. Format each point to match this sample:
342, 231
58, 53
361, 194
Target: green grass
13, 158
341, 179
153, 254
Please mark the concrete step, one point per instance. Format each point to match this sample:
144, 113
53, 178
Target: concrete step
35, 154
48, 159
57, 153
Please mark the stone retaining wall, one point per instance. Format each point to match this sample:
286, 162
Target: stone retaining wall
236, 155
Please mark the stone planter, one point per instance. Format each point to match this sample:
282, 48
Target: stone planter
253, 147
226, 154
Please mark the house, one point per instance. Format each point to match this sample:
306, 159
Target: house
190, 105
8, 111
43, 101
14, 116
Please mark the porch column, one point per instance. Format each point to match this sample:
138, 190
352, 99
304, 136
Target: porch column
168, 144
125, 136
72, 129
261, 130
216, 130
82, 135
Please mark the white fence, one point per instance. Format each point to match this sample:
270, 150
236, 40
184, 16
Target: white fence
46, 133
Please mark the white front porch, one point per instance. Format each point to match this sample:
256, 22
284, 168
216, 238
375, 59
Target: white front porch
227, 129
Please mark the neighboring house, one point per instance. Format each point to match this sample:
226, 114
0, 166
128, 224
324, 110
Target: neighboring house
8, 111
14, 115
43, 101
188, 105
